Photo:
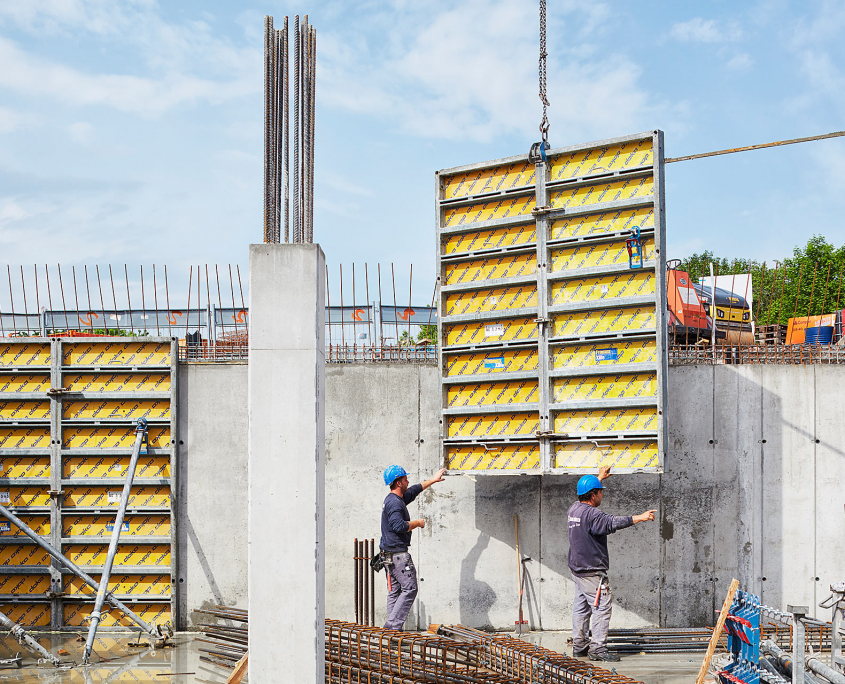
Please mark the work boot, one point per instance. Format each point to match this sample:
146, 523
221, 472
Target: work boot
580, 654
605, 656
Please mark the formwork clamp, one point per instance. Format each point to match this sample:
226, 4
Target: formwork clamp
635, 248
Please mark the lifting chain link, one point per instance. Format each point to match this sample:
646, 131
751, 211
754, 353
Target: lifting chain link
544, 123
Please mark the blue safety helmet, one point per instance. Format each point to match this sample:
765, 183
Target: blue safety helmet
588, 483
393, 473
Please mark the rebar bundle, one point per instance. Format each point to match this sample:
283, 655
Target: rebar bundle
284, 213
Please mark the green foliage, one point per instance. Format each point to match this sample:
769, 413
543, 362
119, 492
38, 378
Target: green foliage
428, 332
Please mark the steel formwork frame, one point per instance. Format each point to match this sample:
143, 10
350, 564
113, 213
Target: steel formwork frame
543, 189
58, 484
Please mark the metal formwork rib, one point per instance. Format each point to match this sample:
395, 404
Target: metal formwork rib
533, 257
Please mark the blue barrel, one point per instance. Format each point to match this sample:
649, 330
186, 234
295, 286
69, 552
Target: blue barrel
819, 335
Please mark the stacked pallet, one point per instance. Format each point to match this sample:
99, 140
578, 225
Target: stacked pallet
771, 334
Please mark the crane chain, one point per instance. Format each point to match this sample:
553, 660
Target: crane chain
544, 123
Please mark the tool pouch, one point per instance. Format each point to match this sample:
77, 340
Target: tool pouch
377, 562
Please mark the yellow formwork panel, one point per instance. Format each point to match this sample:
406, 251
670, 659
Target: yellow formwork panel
21, 497
29, 555
91, 353
27, 614
20, 354
39, 523
496, 299
586, 455
128, 409
605, 354
612, 191
139, 497
500, 266
111, 437
497, 238
502, 457
507, 207
599, 160
480, 363
594, 255
25, 466
126, 585
523, 424
604, 387
77, 614
15, 383
493, 179
25, 437
115, 466
492, 393
153, 555
613, 320
156, 525
602, 223
478, 332
24, 585
20, 409
117, 382
637, 283
605, 420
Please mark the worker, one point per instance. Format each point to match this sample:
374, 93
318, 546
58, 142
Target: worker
589, 563
396, 527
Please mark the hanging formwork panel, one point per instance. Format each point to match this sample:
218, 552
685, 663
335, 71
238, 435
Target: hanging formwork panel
68, 410
551, 295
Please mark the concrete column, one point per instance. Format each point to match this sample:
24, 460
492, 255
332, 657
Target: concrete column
286, 463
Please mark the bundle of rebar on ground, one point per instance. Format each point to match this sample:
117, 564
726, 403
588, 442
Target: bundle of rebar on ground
658, 640
226, 643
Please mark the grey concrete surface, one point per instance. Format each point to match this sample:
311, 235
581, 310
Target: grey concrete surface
286, 488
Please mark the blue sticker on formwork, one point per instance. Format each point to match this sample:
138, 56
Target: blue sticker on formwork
743, 627
110, 527
5, 527
609, 354
495, 362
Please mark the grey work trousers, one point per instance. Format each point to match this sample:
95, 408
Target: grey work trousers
402, 591
590, 622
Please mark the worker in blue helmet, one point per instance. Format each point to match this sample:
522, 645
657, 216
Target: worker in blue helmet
396, 527
589, 564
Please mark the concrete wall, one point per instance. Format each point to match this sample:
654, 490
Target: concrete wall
752, 488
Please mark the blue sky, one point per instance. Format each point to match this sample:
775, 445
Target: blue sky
131, 131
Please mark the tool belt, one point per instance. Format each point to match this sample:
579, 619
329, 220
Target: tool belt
382, 559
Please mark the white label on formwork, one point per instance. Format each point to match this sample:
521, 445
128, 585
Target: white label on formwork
116, 466
494, 330
114, 497
4, 497
605, 289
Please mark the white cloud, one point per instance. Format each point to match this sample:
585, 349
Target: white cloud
9, 120
740, 62
700, 30
81, 132
11, 211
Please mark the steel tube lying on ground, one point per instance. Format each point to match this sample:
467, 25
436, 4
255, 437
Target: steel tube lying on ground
23, 638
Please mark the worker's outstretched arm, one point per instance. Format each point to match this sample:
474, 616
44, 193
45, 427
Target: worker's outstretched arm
643, 517
438, 477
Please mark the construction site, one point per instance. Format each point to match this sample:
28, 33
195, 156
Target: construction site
195, 464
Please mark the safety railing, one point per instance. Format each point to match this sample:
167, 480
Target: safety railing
788, 354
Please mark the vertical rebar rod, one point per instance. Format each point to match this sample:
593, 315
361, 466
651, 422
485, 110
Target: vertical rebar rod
772, 294
824, 299
812, 292
367, 290
188, 310
798, 291
155, 297
366, 581
100, 288
354, 310
342, 321
114, 302
128, 298
62, 288
143, 301
380, 315
25, 309
232, 290
286, 124
167, 303
212, 324
372, 583
313, 137
268, 123
23, 638
42, 331
49, 294
12, 299
410, 310
297, 231
355, 561
328, 310
395, 307
782, 291
243, 303
219, 299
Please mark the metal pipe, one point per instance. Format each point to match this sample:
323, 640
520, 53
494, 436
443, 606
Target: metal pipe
24, 639
355, 561
372, 583
787, 662
140, 437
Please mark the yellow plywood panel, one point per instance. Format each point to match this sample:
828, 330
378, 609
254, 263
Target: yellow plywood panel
612, 320
496, 299
129, 409
117, 382
604, 354
598, 160
24, 585
499, 457
21, 354
25, 466
14, 383
110, 496
157, 585
92, 353
588, 456
153, 555
492, 393
502, 361
479, 332
507, 207
23, 555
637, 283
24, 410
523, 424
24, 496
39, 523
594, 255
28, 614
115, 466
502, 266
606, 420
112, 437
497, 238
492, 179
605, 387
157, 525
77, 614
614, 221
611, 191
25, 437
